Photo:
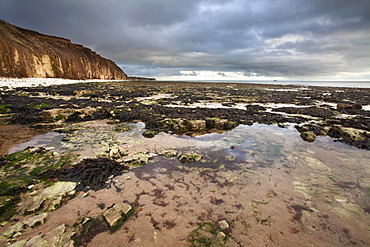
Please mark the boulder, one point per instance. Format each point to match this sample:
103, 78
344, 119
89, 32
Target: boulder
37, 241
349, 106
196, 124
149, 133
335, 132
82, 114
343, 106
357, 106
56, 114
308, 136
224, 124
115, 213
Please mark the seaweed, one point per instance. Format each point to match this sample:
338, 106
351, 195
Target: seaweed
20, 170
89, 230
92, 173
207, 234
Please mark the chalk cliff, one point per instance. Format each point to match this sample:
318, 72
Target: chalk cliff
27, 53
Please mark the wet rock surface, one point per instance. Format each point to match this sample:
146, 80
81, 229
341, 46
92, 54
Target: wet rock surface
181, 107
113, 214
218, 179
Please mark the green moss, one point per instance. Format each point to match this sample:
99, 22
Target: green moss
229, 212
240, 100
21, 169
4, 109
207, 234
16, 159
36, 171
90, 229
6, 189
59, 117
42, 105
8, 207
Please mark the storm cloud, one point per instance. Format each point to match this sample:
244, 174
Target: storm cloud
289, 39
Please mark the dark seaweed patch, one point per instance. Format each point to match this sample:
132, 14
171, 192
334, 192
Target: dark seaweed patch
92, 173
89, 230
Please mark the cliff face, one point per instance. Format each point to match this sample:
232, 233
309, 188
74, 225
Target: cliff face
26, 53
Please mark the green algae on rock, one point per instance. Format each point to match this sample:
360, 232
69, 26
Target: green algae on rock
23, 170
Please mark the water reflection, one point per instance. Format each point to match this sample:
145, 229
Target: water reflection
270, 186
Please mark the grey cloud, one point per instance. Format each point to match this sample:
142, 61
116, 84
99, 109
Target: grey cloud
163, 37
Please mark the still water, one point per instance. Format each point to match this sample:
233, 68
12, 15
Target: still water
265, 182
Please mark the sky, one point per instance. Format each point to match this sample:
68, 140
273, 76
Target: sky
212, 39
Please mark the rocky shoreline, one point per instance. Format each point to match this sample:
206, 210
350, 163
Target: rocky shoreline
179, 107
39, 181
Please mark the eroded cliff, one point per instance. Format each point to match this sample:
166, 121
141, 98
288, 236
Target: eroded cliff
27, 53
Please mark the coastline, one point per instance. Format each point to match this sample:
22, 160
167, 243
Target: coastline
35, 82
252, 155
280, 90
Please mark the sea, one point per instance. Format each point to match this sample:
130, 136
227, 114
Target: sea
349, 84
34, 82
